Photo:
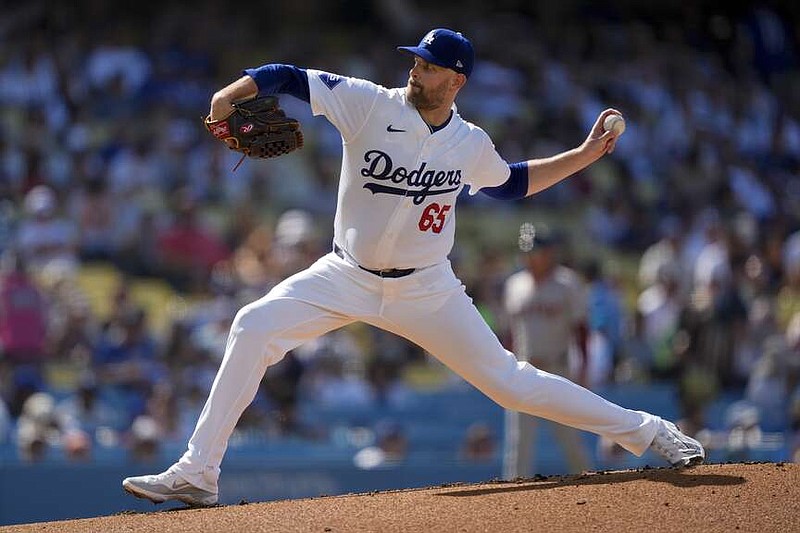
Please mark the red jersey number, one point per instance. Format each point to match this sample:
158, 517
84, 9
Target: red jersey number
433, 217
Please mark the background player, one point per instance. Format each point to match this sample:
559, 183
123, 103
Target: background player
407, 154
545, 303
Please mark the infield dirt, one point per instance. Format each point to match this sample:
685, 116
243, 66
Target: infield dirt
711, 498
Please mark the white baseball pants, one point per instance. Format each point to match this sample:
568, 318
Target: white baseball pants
429, 308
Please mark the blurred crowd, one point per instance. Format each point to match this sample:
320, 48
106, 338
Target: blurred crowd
103, 160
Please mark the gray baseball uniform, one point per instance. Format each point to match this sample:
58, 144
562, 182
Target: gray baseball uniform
544, 315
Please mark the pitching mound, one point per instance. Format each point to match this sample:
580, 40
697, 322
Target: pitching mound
743, 497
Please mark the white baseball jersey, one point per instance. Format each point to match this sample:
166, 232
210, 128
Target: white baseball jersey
544, 314
399, 183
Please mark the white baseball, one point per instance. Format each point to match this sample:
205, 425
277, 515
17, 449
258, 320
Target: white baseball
614, 123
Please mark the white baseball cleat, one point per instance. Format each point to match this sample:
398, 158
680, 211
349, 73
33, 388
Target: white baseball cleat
168, 485
678, 449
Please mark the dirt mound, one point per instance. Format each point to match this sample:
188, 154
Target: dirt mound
744, 497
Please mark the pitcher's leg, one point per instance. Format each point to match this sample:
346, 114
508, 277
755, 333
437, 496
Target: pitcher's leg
329, 294
457, 335
260, 335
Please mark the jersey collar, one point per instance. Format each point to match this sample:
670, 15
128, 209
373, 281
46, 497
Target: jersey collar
434, 129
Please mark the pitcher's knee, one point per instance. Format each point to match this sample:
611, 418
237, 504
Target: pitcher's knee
252, 331
502, 393
263, 316
515, 389
246, 319
507, 398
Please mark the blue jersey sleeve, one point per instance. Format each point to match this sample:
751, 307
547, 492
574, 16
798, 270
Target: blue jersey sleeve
515, 187
276, 78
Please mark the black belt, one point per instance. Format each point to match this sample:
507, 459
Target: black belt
383, 273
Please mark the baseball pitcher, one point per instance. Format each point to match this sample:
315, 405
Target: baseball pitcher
406, 156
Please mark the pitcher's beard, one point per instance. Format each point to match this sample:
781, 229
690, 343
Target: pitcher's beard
425, 99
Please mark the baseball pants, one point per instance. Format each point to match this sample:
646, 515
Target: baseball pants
428, 307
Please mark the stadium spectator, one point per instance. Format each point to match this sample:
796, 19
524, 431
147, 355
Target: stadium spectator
281, 386
479, 444
162, 407
637, 354
335, 385
390, 448
605, 320
23, 314
385, 378
22, 382
713, 323
29, 77
77, 445
253, 263
659, 307
187, 250
769, 384
94, 210
87, 412
296, 243
45, 241
144, 439
663, 258
37, 427
125, 359
73, 327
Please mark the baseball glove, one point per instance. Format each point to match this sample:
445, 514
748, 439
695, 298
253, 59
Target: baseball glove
258, 128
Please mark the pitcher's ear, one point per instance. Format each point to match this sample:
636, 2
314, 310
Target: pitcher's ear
459, 81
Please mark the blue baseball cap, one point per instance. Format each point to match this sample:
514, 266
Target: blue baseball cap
445, 48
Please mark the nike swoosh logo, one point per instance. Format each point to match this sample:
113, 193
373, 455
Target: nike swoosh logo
390, 129
179, 484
